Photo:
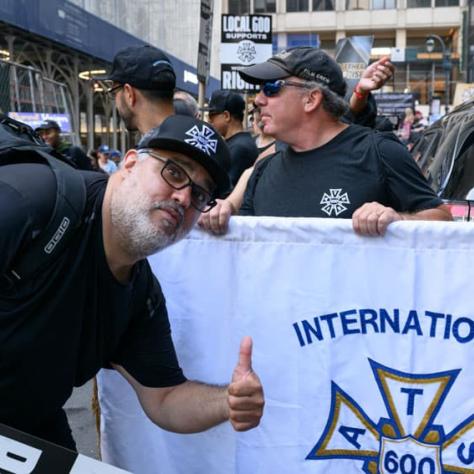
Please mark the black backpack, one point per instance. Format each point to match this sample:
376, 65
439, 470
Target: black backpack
20, 144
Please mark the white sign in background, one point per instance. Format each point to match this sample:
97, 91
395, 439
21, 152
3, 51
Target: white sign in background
245, 40
364, 347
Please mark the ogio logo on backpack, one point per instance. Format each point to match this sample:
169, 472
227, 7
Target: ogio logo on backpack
58, 235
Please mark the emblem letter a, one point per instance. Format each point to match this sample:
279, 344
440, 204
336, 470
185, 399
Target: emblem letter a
351, 434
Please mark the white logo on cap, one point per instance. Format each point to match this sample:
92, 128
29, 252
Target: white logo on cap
202, 139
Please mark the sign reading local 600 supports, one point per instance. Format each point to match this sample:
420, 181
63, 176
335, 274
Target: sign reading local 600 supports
245, 40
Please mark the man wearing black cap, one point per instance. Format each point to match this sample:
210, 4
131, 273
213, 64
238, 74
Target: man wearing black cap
99, 305
330, 169
226, 113
143, 82
50, 132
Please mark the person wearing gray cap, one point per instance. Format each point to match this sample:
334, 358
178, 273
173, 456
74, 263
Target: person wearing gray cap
330, 168
143, 82
98, 305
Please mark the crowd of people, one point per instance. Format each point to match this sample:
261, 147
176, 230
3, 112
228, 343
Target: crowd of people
316, 154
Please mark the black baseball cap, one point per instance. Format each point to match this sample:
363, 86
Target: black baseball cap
143, 67
48, 124
310, 64
222, 100
197, 140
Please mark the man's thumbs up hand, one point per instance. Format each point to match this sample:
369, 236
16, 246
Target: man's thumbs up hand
245, 393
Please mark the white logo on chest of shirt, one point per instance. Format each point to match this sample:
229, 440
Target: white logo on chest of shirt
202, 139
334, 202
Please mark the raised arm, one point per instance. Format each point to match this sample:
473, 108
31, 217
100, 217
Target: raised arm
373, 78
194, 406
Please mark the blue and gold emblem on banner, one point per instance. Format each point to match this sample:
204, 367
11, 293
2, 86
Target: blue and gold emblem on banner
408, 441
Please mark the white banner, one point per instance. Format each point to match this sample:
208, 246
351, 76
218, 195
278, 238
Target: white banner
363, 345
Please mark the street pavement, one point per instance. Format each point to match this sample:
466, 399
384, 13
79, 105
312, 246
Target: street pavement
82, 420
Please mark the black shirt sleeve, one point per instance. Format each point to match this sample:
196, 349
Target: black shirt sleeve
147, 351
407, 188
365, 117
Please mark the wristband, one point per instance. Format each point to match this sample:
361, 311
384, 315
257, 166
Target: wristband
359, 93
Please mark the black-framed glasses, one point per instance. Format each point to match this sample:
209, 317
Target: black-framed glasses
113, 90
177, 178
272, 88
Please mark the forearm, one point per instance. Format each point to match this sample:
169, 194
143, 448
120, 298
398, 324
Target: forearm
236, 197
358, 103
440, 213
190, 408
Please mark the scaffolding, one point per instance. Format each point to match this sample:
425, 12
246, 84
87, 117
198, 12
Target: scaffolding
24, 89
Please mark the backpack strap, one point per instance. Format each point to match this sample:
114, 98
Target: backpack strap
66, 216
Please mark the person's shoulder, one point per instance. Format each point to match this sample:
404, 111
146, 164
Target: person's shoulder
95, 183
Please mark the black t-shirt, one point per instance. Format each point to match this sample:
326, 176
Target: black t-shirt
243, 153
58, 330
359, 165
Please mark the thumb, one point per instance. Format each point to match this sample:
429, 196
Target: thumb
244, 366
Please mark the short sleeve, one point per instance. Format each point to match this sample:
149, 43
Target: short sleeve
146, 350
407, 188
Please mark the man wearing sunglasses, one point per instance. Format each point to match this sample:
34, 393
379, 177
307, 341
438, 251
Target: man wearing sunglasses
98, 305
142, 85
330, 168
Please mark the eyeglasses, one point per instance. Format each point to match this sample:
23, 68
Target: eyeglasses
270, 89
177, 178
113, 90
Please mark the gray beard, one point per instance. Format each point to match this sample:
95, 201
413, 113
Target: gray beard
130, 214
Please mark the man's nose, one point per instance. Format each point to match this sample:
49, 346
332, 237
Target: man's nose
261, 99
182, 196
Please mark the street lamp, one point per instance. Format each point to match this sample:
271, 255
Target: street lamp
430, 47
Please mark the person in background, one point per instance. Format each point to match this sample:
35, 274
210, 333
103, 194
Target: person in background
50, 132
185, 104
143, 82
263, 141
226, 115
104, 161
405, 130
116, 157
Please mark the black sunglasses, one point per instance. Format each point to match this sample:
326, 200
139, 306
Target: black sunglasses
113, 90
273, 88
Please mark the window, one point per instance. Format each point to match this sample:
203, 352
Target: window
419, 3
239, 7
294, 40
297, 5
357, 4
264, 6
447, 3
275, 43
323, 5
384, 4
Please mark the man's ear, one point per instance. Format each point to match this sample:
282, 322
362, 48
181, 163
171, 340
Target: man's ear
129, 161
227, 116
129, 94
313, 100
